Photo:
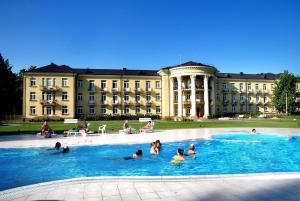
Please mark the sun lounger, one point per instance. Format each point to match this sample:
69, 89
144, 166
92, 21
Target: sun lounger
147, 130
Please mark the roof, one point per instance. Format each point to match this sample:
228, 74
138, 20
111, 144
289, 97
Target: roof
189, 63
53, 68
241, 75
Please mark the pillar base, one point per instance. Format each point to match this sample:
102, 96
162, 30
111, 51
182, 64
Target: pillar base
193, 117
206, 116
178, 118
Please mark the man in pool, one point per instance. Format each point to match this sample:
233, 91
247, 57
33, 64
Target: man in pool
179, 157
137, 155
192, 150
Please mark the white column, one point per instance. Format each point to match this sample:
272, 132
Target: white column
206, 99
213, 107
171, 97
179, 96
193, 95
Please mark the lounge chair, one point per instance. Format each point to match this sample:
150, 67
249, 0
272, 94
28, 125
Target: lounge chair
102, 129
149, 130
133, 131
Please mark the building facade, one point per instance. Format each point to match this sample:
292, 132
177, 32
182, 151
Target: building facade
189, 90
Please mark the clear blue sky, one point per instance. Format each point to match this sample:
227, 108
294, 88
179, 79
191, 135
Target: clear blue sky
252, 36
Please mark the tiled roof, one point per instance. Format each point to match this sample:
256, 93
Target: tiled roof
53, 68
263, 76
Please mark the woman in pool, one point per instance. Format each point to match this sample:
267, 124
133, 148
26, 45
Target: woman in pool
154, 149
57, 145
253, 131
158, 145
179, 157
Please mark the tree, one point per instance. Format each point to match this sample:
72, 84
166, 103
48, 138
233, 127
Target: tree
285, 88
8, 89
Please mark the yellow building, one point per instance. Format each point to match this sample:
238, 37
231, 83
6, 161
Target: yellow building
189, 90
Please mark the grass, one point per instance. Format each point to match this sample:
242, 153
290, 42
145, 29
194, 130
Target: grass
115, 126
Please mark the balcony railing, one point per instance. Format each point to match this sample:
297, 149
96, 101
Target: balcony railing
234, 102
126, 102
242, 102
115, 89
92, 89
48, 102
137, 89
104, 89
49, 88
148, 89
138, 102
127, 89
115, 102
187, 101
104, 102
225, 102
148, 102
225, 90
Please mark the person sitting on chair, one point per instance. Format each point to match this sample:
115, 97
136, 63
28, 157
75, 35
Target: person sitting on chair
84, 127
127, 128
46, 130
148, 126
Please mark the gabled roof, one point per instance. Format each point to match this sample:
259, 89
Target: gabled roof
263, 76
189, 63
52, 68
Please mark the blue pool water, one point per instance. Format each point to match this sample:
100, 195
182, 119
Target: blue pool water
224, 154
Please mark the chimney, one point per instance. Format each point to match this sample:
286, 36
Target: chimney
124, 69
241, 73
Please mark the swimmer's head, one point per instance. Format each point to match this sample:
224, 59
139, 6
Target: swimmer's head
139, 153
192, 147
180, 152
57, 145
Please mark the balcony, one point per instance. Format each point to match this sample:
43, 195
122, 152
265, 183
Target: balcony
242, 102
225, 90
104, 89
199, 101
250, 91
186, 88
137, 89
138, 102
266, 102
115, 89
48, 102
199, 87
242, 91
234, 102
259, 91
92, 102
126, 89
49, 88
225, 102
187, 101
148, 89
233, 90
265, 91
92, 89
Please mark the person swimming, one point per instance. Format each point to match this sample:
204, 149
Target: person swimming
57, 145
154, 149
191, 150
179, 157
137, 155
65, 150
158, 145
253, 131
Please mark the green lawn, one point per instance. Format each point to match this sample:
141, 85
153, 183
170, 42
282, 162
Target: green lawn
114, 126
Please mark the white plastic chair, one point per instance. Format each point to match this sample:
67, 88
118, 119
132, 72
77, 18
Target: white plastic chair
102, 129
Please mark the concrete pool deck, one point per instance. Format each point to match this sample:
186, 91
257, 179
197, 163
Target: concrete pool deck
246, 187
18, 141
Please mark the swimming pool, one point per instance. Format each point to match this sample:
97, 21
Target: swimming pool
224, 154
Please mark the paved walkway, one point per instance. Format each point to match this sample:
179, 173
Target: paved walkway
284, 187
18, 141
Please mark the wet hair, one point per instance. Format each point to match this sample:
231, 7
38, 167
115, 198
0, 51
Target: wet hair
66, 150
152, 143
253, 130
139, 152
157, 141
57, 145
180, 151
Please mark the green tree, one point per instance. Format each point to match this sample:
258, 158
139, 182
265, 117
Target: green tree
285, 87
8, 89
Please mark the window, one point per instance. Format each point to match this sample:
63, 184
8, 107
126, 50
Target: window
92, 110
257, 108
265, 109
256, 87
32, 96
232, 87
115, 84
64, 82
148, 109
137, 109
103, 110
265, 99
225, 109
64, 95
157, 97
241, 87
137, 85
115, 109
157, 84
188, 111
137, 97
92, 85
79, 110
158, 109
249, 98
49, 96
148, 97
249, 108
217, 86
188, 84
264, 87
103, 99
249, 87
224, 86
49, 82
126, 109
32, 110
103, 84
91, 96
79, 97
32, 81
64, 109
126, 84
115, 98
148, 85
272, 86
224, 97
242, 109
257, 98
126, 97
79, 83
48, 110
188, 96
233, 109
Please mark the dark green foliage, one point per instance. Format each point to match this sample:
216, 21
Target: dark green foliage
286, 85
